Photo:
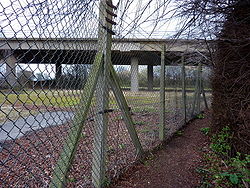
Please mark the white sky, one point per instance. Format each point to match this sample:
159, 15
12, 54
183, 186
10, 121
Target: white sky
137, 21
141, 15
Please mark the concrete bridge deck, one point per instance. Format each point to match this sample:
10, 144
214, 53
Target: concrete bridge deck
60, 51
123, 45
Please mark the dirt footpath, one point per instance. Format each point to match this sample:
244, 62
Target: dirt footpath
175, 165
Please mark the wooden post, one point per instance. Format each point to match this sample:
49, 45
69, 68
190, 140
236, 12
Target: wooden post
68, 152
176, 97
69, 148
102, 98
125, 111
184, 97
195, 95
204, 95
162, 130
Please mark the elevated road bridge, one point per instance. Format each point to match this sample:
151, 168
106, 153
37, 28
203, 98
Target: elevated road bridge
60, 51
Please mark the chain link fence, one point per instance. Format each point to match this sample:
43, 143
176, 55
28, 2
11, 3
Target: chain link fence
69, 117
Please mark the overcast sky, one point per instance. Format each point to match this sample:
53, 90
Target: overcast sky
79, 19
66, 18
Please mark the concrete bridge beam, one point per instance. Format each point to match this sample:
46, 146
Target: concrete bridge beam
150, 77
134, 74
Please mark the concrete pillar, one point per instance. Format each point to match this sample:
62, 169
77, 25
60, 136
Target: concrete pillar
58, 70
10, 75
58, 75
150, 77
134, 75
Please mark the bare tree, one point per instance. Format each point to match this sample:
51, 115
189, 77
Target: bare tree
228, 23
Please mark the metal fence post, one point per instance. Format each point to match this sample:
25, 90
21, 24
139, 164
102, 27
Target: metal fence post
162, 130
204, 95
184, 97
199, 88
102, 98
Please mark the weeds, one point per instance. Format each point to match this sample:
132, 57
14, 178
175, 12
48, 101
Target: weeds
148, 159
205, 130
200, 116
122, 146
179, 133
221, 142
221, 170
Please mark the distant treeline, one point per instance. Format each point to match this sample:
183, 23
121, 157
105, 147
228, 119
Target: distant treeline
173, 77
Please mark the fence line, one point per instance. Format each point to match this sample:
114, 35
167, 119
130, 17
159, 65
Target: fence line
87, 121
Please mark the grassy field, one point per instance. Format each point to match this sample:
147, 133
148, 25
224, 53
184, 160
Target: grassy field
72, 98
41, 97
12, 103
167, 89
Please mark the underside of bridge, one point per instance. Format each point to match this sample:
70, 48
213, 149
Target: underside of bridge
87, 57
59, 57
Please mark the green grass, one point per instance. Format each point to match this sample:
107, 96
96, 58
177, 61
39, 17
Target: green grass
166, 88
41, 98
34, 98
145, 109
9, 113
205, 130
65, 98
142, 101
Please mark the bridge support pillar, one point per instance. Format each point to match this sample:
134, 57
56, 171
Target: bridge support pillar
134, 74
58, 73
150, 77
10, 72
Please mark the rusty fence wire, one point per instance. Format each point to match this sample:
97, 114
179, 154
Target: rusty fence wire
78, 107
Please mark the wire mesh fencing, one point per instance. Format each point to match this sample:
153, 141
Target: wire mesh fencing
68, 116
